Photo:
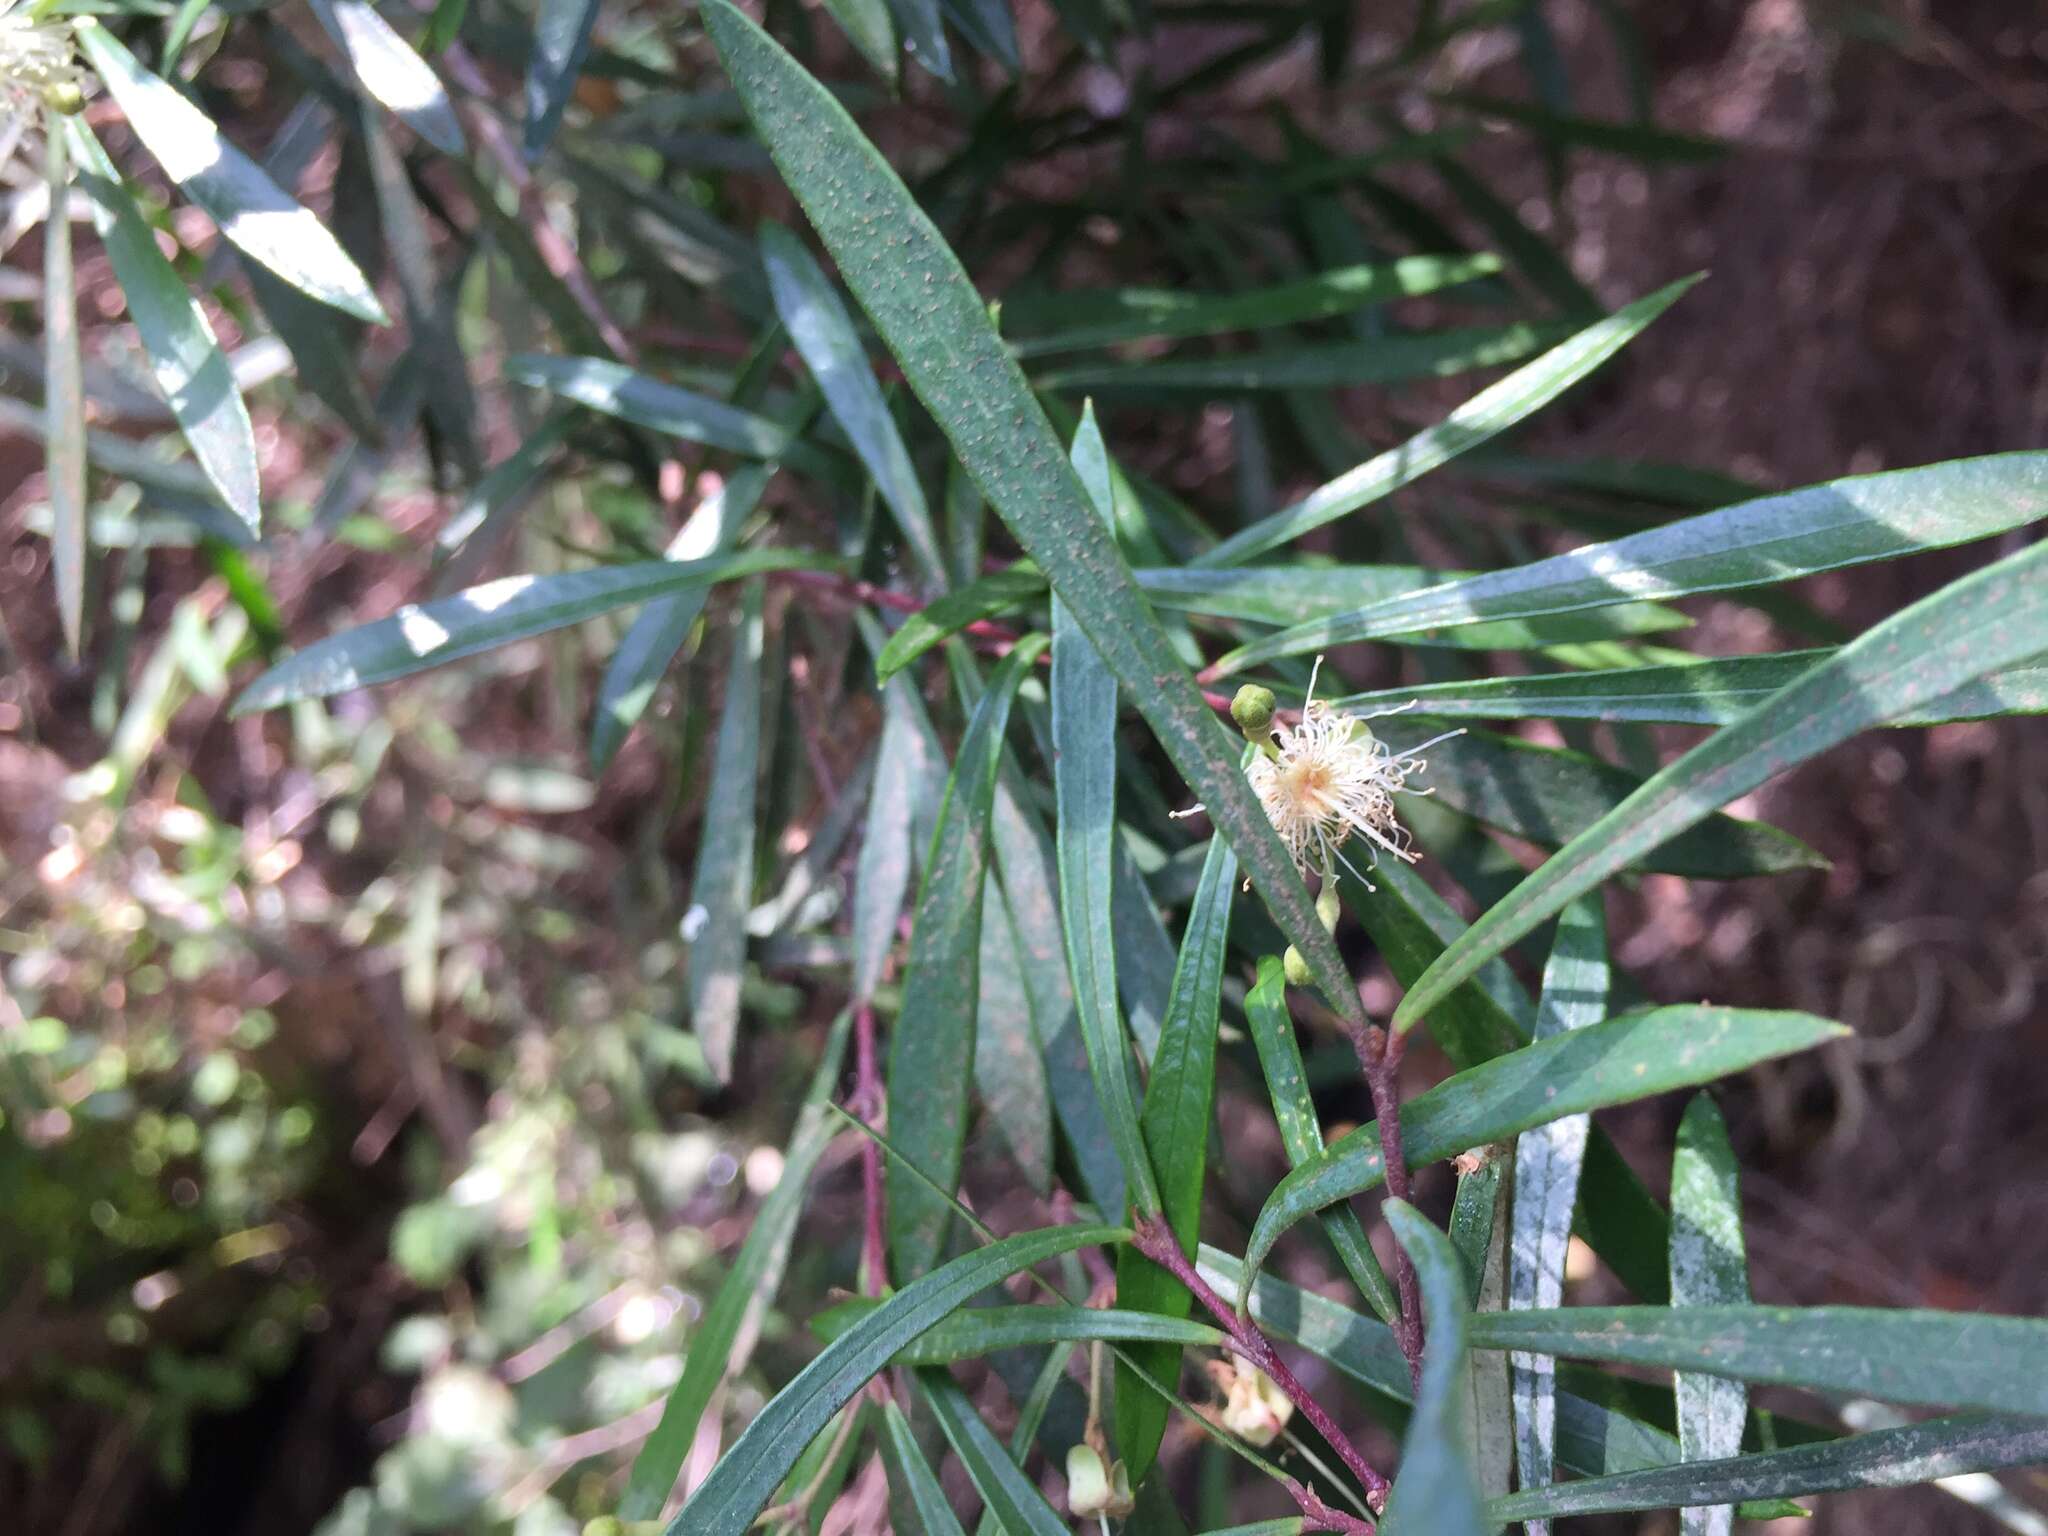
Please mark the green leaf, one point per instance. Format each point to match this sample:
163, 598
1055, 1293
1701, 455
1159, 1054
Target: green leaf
1287, 594
823, 335
424, 635
748, 1474
944, 617
1938, 1359
1576, 981
931, 1050
561, 40
1614, 1062
63, 400
1020, 1509
1886, 1458
1178, 1099
617, 390
1084, 697
1435, 1492
976, 1331
1326, 365
1547, 269
926, 310
1548, 795
935, 1516
1301, 1134
1492, 411
716, 1344
1087, 319
189, 366
1706, 692
1772, 539
1009, 1067
1708, 1268
392, 72
715, 925
988, 25
924, 34
253, 213
882, 875
1986, 621
868, 24
1638, 142
659, 629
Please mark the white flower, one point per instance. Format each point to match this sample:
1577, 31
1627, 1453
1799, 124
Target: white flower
37, 70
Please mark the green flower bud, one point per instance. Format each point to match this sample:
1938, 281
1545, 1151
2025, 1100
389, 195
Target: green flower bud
64, 96
1298, 973
1329, 906
1253, 710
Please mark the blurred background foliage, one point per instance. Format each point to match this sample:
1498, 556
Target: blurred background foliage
361, 1172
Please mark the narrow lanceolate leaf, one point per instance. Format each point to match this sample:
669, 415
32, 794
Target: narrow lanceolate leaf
1331, 365
1770, 539
1615, 1062
561, 39
1009, 1068
748, 1474
1020, 1509
1084, 695
1132, 314
931, 1051
63, 400
392, 72
920, 1483
1708, 1268
1178, 1099
724, 1339
1435, 1493
1576, 979
938, 621
617, 390
823, 335
189, 366
1479, 1233
1887, 1458
1301, 1134
924, 34
715, 924
872, 30
928, 313
882, 875
424, 635
1548, 795
1707, 692
253, 213
659, 629
1939, 1359
1492, 411
1991, 619
976, 1331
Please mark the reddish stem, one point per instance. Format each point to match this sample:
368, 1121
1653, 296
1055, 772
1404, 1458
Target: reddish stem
1156, 1241
1379, 1054
867, 1103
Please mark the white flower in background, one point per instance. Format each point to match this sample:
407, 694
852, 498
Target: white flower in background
37, 71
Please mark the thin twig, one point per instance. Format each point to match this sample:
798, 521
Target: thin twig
1156, 1241
1379, 1054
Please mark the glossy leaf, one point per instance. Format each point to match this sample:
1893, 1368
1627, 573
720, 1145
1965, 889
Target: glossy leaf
1548, 795
1939, 1359
1020, 1509
1009, 1068
1708, 1268
1490, 412
1326, 365
924, 34
931, 1050
976, 1331
253, 213
871, 29
1576, 981
1984, 622
392, 73
561, 40
715, 922
1133, 314
823, 335
1435, 1493
1179, 1097
920, 1483
659, 629
1886, 1458
63, 400
424, 635
749, 1473
723, 1339
1614, 1062
1301, 1133
1771, 539
942, 618
188, 364
921, 302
